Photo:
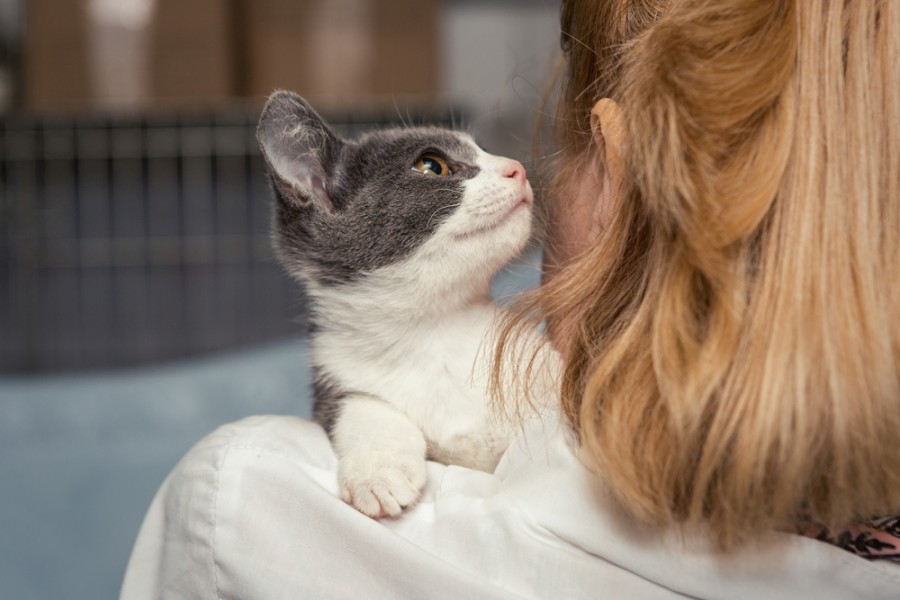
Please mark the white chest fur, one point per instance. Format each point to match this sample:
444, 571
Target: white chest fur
435, 373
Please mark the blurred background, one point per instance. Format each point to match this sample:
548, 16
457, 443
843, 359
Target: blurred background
140, 305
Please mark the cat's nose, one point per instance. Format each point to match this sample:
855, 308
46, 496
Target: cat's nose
514, 170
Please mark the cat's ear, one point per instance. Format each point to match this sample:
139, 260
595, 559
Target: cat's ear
299, 148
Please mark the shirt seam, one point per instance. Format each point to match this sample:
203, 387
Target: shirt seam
214, 518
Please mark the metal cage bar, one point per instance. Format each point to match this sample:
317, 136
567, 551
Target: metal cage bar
131, 240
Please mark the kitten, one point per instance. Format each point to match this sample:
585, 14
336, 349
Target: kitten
396, 237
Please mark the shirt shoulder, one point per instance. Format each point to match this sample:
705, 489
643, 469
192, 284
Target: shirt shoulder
252, 511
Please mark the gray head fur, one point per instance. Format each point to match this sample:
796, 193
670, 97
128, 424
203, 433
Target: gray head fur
348, 207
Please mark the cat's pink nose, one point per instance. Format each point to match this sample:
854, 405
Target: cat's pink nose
514, 170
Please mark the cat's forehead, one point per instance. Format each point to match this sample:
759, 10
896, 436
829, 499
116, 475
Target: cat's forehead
456, 144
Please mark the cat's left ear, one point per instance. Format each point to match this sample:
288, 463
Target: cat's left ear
299, 148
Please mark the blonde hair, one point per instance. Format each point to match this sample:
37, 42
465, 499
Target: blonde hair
736, 328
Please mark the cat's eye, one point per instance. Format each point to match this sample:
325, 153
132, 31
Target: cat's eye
432, 164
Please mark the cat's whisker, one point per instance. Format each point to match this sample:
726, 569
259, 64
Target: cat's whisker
439, 212
549, 156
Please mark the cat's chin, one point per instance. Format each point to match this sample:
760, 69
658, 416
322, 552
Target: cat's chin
521, 209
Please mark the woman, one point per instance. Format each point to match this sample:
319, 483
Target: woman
737, 325
722, 280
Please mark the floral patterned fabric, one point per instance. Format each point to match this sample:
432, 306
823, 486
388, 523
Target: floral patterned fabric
877, 539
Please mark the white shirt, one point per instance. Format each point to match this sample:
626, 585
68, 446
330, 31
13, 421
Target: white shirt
251, 513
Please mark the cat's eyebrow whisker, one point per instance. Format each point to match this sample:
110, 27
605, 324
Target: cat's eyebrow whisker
453, 119
483, 119
403, 121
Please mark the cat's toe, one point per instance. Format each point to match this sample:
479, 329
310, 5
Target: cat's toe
364, 501
378, 499
390, 506
396, 493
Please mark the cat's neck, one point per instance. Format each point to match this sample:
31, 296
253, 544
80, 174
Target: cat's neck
390, 305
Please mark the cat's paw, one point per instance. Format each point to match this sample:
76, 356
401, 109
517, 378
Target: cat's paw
480, 449
381, 485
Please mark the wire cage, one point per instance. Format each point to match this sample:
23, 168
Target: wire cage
139, 239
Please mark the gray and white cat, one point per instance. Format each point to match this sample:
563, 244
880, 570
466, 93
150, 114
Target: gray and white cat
397, 236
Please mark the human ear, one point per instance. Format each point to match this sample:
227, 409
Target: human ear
607, 130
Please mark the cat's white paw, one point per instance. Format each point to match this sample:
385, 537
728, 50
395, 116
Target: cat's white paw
381, 484
480, 449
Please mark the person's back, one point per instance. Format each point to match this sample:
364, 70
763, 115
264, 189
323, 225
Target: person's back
733, 332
